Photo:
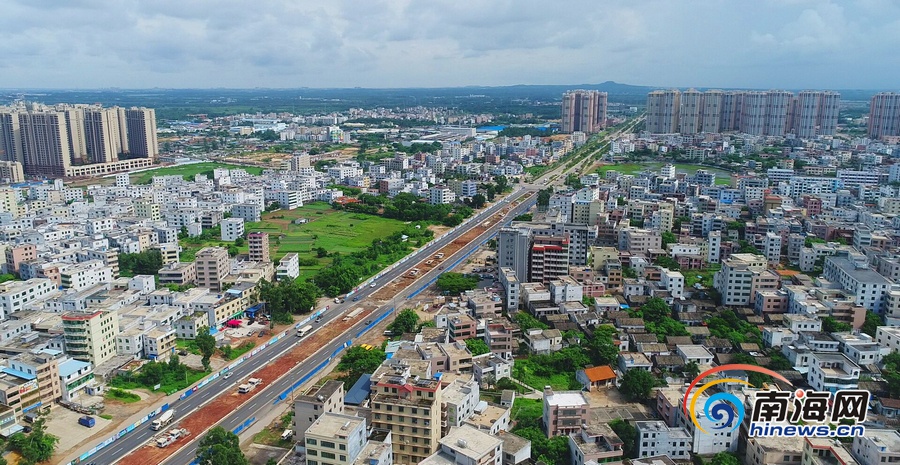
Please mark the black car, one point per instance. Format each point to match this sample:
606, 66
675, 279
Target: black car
368, 322
356, 298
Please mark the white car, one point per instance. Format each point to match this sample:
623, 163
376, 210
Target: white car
227, 375
372, 285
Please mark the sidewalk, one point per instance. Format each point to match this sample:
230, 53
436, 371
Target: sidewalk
534, 394
122, 425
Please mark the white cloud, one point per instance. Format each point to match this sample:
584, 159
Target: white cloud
396, 43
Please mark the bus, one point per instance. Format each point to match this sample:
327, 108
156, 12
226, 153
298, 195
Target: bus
304, 330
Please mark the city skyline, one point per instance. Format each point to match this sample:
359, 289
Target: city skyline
772, 45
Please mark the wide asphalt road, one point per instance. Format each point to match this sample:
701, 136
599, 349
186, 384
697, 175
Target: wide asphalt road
263, 402
113, 452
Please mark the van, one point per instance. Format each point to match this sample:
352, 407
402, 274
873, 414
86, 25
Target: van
287, 434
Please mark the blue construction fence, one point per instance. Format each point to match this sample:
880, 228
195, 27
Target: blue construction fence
242, 426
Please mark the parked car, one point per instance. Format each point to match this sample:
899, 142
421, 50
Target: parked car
261, 334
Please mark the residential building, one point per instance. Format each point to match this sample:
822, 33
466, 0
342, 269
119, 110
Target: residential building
44, 365
832, 372
466, 445
877, 446
853, 274
288, 267
656, 438
884, 115
258, 243
440, 195
597, 443
584, 111
213, 264
180, 273
91, 336
14, 295
410, 408
335, 438
564, 412
773, 451
741, 276
326, 398
232, 228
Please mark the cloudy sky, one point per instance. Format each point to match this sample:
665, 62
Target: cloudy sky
435, 43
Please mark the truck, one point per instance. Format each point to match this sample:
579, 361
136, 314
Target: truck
254, 381
304, 330
87, 421
173, 435
164, 419
245, 388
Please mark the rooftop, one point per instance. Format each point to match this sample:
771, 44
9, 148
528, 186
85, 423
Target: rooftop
566, 399
470, 442
334, 425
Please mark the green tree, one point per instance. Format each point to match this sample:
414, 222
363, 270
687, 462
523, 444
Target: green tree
407, 321
543, 197
778, 362
691, 370
890, 365
668, 238
35, 447
148, 263
455, 283
601, 347
873, 321
831, 325
220, 447
629, 436
637, 384
526, 321
239, 242
655, 310
477, 346
358, 361
207, 346
725, 458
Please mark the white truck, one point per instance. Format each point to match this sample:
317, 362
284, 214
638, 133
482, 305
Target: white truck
245, 388
164, 419
170, 437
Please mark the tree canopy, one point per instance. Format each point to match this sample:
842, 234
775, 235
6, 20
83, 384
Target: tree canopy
477, 346
220, 447
358, 361
36, 446
287, 298
454, 283
629, 436
407, 321
637, 384
207, 346
147, 262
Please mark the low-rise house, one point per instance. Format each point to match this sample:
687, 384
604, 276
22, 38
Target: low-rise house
596, 377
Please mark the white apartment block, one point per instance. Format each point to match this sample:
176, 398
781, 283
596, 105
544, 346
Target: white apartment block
656, 438
232, 228
80, 276
741, 276
440, 195
832, 372
673, 281
14, 295
877, 447
288, 267
888, 337
854, 276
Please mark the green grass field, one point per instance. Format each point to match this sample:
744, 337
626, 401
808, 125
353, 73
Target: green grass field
723, 178
333, 230
188, 171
